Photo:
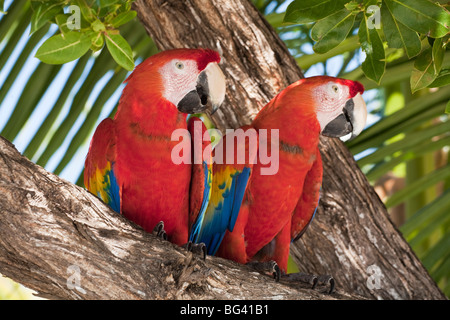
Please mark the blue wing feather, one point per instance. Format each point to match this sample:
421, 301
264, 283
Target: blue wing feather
113, 191
106, 187
221, 215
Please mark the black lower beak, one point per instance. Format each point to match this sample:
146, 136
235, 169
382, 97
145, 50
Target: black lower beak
196, 101
191, 103
342, 124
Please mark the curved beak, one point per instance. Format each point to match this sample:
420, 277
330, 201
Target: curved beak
351, 120
209, 92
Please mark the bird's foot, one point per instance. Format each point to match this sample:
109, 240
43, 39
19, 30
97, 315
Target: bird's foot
267, 266
159, 232
311, 279
196, 248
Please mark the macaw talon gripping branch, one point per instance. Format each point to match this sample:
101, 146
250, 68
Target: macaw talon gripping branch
196, 248
159, 231
266, 267
311, 279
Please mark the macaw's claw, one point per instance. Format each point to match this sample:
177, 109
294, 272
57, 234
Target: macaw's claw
196, 248
267, 266
327, 280
311, 279
159, 231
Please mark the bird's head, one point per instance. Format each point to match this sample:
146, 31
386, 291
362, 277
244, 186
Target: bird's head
340, 107
188, 78
337, 104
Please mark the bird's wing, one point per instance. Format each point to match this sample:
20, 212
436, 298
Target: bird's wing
99, 173
231, 173
309, 200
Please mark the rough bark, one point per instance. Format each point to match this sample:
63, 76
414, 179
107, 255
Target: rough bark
352, 236
63, 242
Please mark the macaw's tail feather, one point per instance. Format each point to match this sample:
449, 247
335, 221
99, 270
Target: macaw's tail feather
201, 179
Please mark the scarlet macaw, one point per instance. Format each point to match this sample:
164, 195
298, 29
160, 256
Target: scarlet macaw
129, 164
253, 216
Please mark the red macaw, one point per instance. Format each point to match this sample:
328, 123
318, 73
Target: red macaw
253, 215
129, 164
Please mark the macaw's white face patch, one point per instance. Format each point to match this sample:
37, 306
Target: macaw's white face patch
179, 78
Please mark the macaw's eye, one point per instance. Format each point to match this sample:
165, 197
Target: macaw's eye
179, 65
335, 88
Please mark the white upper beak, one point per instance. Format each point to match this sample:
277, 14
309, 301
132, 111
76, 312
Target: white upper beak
359, 114
216, 83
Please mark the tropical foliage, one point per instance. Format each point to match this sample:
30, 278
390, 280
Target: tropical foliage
397, 48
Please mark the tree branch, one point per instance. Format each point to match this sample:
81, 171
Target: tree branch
63, 242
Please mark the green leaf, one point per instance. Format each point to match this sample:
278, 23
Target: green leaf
353, 5
447, 107
428, 213
43, 14
414, 188
106, 3
87, 12
437, 53
97, 26
380, 132
2, 6
398, 35
436, 217
413, 139
61, 21
35, 88
306, 11
423, 73
55, 109
97, 41
441, 249
374, 65
20, 60
422, 16
123, 18
414, 152
63, 48
120, 50
441, 80
368, 3
332, 30
14, 37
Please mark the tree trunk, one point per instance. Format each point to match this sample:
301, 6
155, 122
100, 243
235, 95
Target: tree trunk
352, 237
63, 242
